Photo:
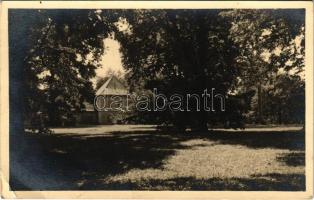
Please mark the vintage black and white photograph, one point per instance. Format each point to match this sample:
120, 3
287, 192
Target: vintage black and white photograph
157, 99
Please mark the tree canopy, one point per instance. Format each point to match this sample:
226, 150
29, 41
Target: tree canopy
270, 42
58, 57
234, 51
239, 53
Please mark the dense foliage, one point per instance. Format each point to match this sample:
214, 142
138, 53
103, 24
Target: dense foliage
58, 56
237, 52
252, 57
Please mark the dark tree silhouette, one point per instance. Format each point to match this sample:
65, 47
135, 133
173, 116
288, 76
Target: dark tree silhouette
55, 61
183, 52
266, 41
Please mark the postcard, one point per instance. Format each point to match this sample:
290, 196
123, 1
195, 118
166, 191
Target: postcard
157, 100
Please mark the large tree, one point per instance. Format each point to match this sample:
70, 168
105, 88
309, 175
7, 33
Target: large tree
56, 60
269, 41
182, 52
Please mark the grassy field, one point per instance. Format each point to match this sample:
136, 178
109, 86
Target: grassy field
122, 157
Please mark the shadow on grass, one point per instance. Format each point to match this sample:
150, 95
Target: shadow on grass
268, 182
291, 140
83, 161
293, 159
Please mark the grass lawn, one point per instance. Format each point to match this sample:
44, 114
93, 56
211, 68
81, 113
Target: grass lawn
126, 157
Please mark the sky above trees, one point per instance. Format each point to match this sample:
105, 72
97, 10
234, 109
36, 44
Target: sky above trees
111, 59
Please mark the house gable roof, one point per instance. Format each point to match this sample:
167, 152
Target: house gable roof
112, 86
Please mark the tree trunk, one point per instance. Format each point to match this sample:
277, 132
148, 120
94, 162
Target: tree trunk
259, 104
199, 121
279, 116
